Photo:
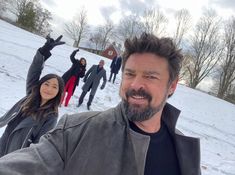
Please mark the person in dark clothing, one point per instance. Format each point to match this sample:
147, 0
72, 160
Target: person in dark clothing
37, 113
115, 66
136, 137
92, 81
72, 76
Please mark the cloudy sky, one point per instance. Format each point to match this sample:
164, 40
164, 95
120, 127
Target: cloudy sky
98, 10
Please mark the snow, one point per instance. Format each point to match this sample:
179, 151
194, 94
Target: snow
204, 116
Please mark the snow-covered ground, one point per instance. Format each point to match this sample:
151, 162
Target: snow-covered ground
204, 116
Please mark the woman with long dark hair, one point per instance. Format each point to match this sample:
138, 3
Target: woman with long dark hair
37, 112
72, 76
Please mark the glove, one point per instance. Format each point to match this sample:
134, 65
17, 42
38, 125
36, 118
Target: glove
102, 87
74, 53
49, 45
76, 50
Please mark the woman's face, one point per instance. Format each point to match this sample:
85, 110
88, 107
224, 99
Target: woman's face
48, 90
83, 62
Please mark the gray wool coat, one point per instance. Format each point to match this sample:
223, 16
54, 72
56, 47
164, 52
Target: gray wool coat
93, 78
99, 143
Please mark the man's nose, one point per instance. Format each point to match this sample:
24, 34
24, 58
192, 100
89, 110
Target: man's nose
137, 83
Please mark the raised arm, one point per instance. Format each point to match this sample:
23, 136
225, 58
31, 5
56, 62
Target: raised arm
72, 56
34, 71
36, 66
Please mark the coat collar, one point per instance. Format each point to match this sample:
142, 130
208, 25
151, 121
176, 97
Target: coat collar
187, 148
27, 122
170, 116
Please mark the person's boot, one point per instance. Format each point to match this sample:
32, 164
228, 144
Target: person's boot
80, 101
89, 101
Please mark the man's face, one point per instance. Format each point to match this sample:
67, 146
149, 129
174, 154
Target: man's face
101, 63
145, 85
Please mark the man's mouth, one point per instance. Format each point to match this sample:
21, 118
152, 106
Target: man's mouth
138, 97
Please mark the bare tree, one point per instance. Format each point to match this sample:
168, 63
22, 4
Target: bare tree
103, 35
227, 65
129, 26
205, 47
187, 61
78, 28
3, 6
183, 22
154, 21
96, 39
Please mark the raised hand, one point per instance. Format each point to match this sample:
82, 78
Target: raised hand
49, 45
76, 50
102, 87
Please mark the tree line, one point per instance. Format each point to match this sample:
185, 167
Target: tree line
208, 45
30, 15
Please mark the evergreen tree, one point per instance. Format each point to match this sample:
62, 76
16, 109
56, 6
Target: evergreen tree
27, 18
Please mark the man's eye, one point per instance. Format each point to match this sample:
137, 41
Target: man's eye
151, 77
129, 74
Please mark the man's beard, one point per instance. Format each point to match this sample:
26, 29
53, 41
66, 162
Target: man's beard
135, 112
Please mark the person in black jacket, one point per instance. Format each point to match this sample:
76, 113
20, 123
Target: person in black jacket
115, 67
37, 112
72, 76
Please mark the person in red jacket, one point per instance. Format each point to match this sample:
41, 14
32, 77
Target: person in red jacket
72, 76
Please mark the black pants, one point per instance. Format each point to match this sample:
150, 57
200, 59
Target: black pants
114, 77
81, 98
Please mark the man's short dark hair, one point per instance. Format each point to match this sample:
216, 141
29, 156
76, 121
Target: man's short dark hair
164, 47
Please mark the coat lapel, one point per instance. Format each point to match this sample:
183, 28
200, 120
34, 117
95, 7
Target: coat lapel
27, 122
187, 148
188, 153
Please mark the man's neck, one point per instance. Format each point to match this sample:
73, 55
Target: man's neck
151, 125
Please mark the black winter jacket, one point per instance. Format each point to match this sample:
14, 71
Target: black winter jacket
77, 69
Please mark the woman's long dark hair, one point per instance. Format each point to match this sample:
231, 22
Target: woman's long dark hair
82, 58
31, 106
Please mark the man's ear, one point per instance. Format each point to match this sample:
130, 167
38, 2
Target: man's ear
173, 86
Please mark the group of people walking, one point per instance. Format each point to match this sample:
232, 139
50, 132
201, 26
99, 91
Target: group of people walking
91, 78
